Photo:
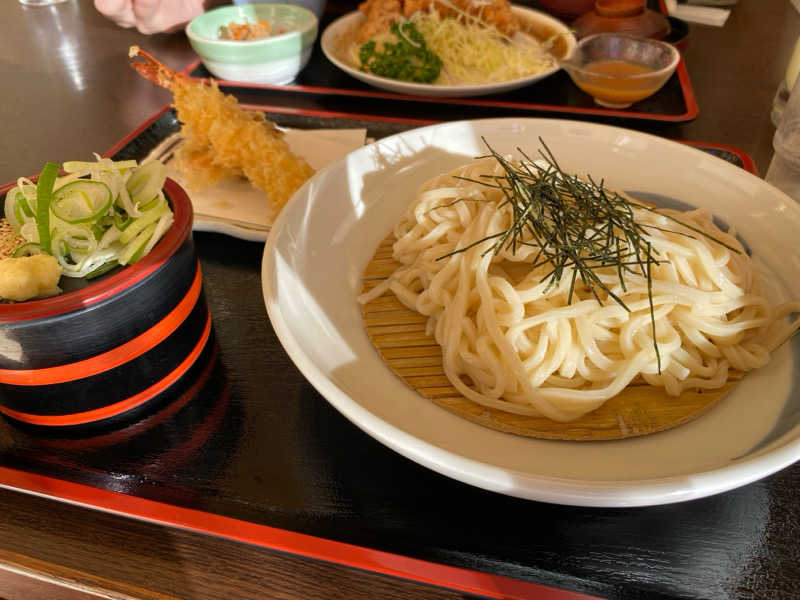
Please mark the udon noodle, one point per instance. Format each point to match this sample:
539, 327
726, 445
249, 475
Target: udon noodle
515, 340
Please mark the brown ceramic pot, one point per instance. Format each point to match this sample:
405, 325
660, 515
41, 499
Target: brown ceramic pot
566, 9
622, 16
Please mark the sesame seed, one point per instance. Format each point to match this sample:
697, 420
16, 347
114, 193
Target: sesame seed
9, 240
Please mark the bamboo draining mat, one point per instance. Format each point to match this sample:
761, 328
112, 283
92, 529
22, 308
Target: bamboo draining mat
399, 335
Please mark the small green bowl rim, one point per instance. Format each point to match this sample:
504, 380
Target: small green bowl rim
235, 10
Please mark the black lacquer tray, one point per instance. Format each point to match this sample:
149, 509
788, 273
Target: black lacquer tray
246, 449
322, 85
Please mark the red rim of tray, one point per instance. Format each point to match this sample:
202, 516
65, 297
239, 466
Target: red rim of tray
692, 109
350, 555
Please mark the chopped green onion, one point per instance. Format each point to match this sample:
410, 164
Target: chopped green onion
17, 209
121, 221
102, 269
146, 183
28, 249
151, 204
22, 205
44, 196
141, 222
100, 215
81, 201
74, 166
133, 251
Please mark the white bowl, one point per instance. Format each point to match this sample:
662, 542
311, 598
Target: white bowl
338, 36
322, 240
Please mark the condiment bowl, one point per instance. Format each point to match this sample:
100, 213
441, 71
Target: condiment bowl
108, 348
276, 59
618, 70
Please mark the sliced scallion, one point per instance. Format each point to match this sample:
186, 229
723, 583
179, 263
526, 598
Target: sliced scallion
102, 269
81, 201
134, 250
28, 249
146, 182
140, 223
100, 214
44, 196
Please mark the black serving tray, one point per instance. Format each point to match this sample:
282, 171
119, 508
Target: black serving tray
247, 449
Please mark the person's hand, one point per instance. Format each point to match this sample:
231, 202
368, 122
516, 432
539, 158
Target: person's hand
150, 16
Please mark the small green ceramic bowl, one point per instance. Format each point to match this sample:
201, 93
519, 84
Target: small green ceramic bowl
274, 60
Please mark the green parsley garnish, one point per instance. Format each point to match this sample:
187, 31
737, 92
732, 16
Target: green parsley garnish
409, 59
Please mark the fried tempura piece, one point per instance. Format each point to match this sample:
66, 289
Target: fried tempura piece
196, 163
412, 6
497, 13
380, 16
382, 13
227, 138
29, 277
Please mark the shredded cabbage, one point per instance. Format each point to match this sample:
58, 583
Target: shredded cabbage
472, 53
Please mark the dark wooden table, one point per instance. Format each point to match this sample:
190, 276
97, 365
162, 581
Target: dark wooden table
68, 92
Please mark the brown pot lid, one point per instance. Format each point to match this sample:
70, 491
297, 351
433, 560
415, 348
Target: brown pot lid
619, 8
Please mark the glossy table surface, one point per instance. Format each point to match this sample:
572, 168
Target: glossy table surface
68, 92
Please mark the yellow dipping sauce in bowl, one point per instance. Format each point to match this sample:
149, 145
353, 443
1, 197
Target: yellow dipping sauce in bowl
618, 70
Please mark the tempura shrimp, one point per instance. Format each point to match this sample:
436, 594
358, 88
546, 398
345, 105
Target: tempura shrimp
222, 139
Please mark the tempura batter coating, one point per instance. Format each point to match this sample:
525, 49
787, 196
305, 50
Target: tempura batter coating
196, 162
238, 141
382, 13
380, 16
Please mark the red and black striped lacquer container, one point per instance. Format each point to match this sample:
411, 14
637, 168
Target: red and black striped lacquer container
105, 351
